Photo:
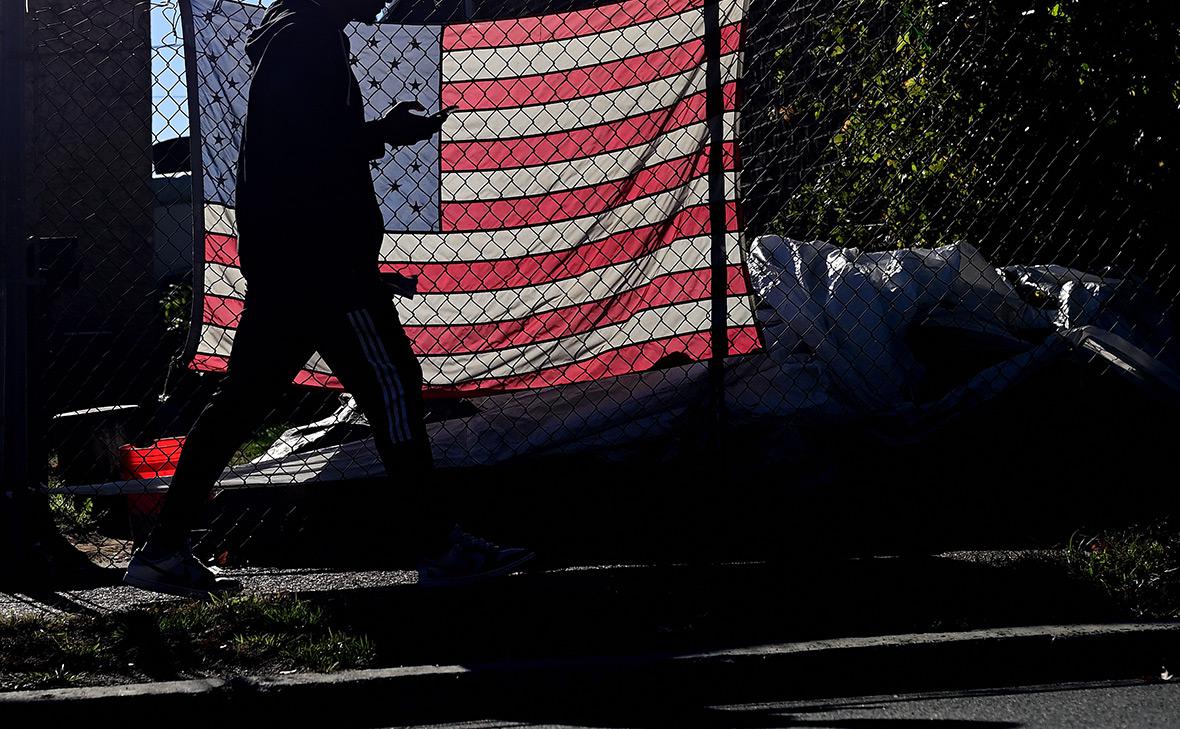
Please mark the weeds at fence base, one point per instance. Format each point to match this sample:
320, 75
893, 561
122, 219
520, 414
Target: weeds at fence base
1137, 566
75, 515
226, 636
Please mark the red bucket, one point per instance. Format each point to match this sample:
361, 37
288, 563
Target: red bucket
158, 459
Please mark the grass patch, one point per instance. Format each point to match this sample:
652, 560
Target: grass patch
39, 680
282, 613
334, 651
49, 650
224, 636
1138, 567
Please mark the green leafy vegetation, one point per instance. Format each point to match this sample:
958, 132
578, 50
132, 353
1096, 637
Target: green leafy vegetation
1030, 129
74, 515
258, 444
176, 306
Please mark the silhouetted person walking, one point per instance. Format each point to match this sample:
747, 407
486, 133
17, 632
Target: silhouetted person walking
310, 231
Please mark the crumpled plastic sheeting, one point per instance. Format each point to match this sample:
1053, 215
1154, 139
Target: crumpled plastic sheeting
1124, 307
345, 424
851, 310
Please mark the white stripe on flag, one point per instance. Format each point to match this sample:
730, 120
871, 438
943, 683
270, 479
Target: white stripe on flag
220, 219
589, 50
553, 237
524, 181
583, 111
535, 240
650, 325
224, 281
456, 309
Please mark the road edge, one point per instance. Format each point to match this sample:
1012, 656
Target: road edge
1011, 656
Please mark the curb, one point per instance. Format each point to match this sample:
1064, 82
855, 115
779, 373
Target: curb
820, 668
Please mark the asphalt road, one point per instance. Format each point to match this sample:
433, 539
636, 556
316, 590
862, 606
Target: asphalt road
1100, 706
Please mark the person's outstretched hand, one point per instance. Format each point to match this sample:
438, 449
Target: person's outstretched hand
404, 124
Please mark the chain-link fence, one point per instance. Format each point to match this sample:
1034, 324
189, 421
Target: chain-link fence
616, 237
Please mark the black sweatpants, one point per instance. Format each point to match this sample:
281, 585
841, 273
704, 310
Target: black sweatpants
361, 339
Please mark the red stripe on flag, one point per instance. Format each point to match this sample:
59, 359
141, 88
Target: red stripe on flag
221, 311
559, 26
221, 249
622, 361
505, 273
438, 340
217, 363
209, 363
472, 276
668, 290
586, 81
539, 149
569, 204
625, 360
317, 379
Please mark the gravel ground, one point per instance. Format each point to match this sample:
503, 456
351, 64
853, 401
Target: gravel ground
255, 580
114, 597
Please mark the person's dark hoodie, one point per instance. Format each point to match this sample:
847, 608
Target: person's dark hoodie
309, 223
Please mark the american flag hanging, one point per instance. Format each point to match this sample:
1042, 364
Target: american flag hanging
559, 224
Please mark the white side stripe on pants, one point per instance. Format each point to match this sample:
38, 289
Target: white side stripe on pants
399, 395
394, 376
385, 373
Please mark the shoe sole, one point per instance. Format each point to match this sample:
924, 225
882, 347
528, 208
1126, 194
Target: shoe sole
168, 588
500, 571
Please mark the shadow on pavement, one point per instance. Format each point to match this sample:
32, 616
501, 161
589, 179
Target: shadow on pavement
692, 609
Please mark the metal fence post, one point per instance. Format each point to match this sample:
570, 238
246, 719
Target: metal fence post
719, 285
14, 279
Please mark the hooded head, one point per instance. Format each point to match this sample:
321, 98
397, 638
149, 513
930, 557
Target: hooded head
361, 11
335, 13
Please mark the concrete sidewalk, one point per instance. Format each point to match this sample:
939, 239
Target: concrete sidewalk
651, 609
823, 627
808, 669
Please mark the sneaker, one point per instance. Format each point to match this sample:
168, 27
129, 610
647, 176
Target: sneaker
470, 559
176, 573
